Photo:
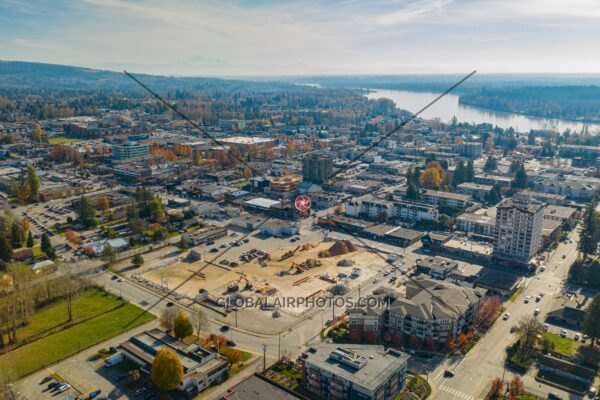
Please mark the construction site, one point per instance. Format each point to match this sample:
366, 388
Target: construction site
302, 271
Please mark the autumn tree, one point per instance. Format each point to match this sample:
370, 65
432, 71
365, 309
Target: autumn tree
167, 371
431, 178
103, 204
25, 224
234, 356
33, 182
496, 387
516, 386
182, 326
36, 134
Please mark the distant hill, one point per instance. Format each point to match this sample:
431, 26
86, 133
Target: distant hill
31, 75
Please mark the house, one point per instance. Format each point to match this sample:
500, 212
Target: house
365, 372
570, 312
201, 368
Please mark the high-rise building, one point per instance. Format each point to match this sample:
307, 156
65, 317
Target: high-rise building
317, 168
518, 230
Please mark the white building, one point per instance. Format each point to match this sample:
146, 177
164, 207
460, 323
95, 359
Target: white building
518, 230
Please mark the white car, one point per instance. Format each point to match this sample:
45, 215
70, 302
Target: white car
506, 316
563, 333
375, 280
536, 311
527, 298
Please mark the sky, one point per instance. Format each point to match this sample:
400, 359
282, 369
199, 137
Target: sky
305, 37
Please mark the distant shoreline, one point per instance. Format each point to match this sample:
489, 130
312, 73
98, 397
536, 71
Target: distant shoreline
461, 101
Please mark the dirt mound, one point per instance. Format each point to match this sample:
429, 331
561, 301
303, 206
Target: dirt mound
339, 248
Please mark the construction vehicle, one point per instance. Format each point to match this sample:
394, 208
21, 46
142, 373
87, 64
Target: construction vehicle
289, 254
235, 286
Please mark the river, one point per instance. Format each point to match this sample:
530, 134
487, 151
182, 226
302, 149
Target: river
448, 107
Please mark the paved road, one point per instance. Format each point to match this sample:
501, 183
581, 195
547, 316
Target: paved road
474, 373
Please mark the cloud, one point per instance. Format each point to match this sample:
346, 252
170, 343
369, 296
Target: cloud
234, 37
413, 11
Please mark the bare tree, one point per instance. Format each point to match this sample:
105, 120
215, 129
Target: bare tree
201, 323
168, 318
528, 330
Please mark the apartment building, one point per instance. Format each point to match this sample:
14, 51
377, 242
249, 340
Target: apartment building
475, 190
518, 231
430, 311
317, 168
350, 371
440, 198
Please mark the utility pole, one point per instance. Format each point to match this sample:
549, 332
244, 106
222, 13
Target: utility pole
264, 357
279, 347
236, 322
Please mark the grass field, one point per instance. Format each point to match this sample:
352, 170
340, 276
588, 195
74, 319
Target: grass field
62, 140
92, 302
564, 346
64, 343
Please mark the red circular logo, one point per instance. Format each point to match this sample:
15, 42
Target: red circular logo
302, 203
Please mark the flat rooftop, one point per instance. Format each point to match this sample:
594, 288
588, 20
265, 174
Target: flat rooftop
379, 363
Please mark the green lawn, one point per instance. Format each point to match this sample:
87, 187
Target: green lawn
92, 302
50, 349
515, 295
62, 140
37, 252
564, 346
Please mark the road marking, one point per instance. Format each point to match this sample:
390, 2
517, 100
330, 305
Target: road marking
456, 392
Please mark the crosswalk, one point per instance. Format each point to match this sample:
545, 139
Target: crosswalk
455, 393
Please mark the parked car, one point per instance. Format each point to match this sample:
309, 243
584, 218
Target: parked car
506, 316
225, 328
527, 298
139, 391
63, 387
449, 373
536, 311
46, 379
563, 333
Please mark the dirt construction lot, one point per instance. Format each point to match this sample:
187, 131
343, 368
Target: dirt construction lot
278, 274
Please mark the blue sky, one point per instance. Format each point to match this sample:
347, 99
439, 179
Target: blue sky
291, 37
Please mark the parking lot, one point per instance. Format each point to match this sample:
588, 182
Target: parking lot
86, 375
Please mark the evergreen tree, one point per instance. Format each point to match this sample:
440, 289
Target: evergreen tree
17, 235
412, 192
6, 249
87, 214
495, 195
591, 323
588, 240
470, 171
520, 179
490, 164
47, 248
30, 240
460, 174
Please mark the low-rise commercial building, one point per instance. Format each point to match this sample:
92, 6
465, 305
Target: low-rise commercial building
201, 368
363, 372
